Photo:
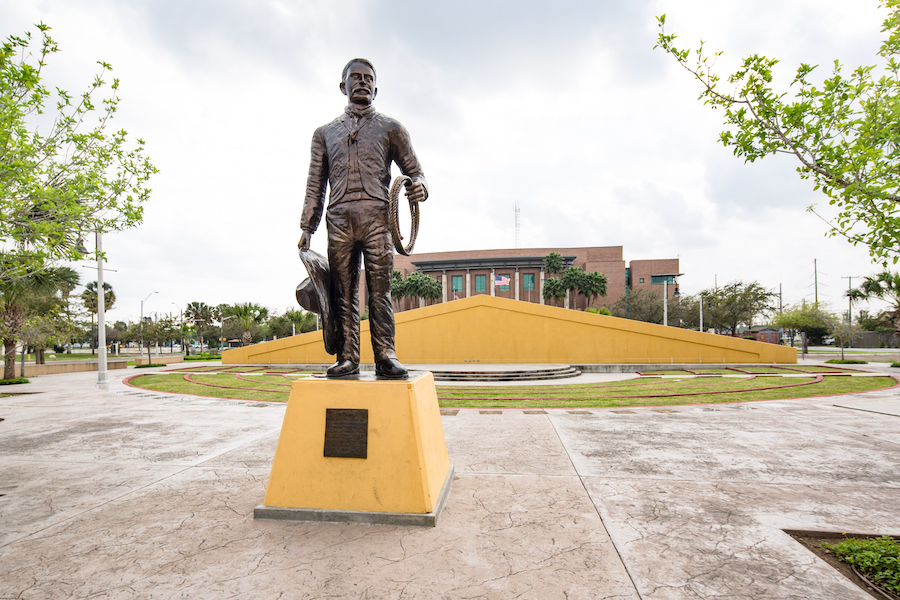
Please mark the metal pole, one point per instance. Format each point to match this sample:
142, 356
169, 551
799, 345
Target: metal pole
141, 349
666, 302
102, 373
701, 313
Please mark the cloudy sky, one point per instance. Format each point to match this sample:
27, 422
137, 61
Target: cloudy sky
563, 107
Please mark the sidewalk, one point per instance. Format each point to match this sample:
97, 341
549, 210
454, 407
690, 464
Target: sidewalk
131, 494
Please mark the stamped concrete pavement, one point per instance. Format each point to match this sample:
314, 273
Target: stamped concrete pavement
126, 494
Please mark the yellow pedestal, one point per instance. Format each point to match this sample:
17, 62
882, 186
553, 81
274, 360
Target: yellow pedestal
405, 477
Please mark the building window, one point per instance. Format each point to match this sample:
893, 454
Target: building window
628, 277
457, 283
506, 278
642, 280
528, 282
661, 279
481, 283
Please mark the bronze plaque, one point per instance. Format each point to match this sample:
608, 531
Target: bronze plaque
346, 432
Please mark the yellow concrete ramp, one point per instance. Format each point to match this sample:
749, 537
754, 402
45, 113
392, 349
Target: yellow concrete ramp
487, 329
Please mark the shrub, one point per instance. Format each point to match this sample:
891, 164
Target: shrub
598, 311
846, 361
148, 366
878, 559
13, 381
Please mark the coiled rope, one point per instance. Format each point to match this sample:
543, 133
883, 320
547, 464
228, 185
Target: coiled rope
394, 205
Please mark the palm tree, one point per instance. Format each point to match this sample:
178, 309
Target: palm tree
553, 289
248, 314
884, 286
398, 287
422, 286
13, 292
90, 300
554, 263
200, 314
592, 285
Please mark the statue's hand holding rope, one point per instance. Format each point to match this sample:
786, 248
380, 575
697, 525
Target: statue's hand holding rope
416, 192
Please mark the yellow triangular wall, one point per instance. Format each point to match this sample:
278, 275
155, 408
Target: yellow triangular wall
487, 329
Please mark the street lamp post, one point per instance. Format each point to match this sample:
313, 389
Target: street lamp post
181, 321
142, 328
665, 277
102, 373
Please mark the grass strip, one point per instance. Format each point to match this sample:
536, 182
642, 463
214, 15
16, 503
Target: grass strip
828, 386
598, 389
177, 385
759, 383
230, 382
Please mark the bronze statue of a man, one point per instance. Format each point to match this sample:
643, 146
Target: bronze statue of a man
353, 156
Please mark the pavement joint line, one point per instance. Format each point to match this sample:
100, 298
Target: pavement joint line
93, 508
590, 499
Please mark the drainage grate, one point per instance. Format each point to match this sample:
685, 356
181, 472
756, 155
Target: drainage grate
260, 405
663, 410
704, 409
579, 412
534, 412
448, 413
491, 412
623, 412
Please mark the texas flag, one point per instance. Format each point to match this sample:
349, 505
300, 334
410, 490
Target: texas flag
501, 280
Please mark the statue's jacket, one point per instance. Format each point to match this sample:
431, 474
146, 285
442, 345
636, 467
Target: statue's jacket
356, 164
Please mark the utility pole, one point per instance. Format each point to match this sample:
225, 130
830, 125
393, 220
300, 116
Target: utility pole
816, 279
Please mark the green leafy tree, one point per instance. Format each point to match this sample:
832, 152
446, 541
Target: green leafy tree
876, 323
813, 320
842, 129
72, 176
737, 303
553, 290
13, 296
640, 304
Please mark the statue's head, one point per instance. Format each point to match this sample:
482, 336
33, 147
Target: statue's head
358, 81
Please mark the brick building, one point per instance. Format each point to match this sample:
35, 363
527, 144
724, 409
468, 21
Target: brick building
473, 272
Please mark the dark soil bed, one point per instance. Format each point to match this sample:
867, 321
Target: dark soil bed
814, 544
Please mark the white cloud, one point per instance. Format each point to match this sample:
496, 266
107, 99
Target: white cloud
563, 107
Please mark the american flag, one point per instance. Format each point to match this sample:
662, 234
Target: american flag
501, 280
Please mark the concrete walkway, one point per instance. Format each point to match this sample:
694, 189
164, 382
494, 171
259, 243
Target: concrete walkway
125, 494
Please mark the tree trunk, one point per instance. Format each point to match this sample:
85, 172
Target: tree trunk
9, 359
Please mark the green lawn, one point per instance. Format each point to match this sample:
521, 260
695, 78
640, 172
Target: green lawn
633, 392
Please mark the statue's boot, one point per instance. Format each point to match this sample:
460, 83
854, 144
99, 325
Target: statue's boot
390, 368
343, 368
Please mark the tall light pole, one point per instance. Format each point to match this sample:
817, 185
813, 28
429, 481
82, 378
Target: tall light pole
666, 276
181, 320
102, 373
142, 328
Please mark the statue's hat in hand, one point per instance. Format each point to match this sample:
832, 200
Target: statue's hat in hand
314, 294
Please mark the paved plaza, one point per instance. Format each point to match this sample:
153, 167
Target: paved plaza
132, 494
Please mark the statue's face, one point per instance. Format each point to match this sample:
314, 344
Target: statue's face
359, 86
